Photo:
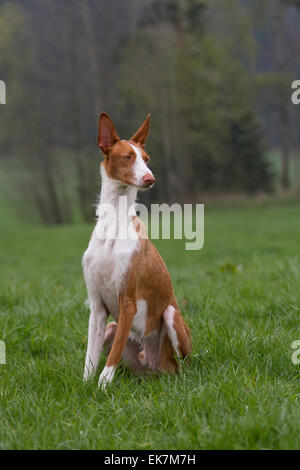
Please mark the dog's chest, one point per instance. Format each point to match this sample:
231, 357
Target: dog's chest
106, 263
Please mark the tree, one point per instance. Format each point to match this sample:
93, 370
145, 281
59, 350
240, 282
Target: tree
283, 103
247, 168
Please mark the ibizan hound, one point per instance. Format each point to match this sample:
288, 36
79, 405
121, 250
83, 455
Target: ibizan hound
125, 276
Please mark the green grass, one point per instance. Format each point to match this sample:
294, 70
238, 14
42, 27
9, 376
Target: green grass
240, 389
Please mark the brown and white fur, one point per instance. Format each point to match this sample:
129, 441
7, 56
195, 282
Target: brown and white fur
127, 278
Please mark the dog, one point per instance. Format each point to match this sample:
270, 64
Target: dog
125, 276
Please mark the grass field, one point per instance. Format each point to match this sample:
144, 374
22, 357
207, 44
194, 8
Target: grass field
241, 297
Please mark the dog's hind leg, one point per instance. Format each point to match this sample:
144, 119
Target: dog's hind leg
130, 355
175, 340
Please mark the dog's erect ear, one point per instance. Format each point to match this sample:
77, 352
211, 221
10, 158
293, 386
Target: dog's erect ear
107, 134
142, 133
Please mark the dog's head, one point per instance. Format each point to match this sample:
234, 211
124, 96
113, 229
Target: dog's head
125, 160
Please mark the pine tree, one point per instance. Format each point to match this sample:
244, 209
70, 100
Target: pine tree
247, 167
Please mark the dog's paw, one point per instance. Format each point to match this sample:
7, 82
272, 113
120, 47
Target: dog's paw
89, 372
106, 377
142, 358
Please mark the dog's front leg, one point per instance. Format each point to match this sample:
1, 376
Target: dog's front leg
126, 316
97, 323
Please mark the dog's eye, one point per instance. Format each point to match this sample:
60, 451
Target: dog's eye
127, 157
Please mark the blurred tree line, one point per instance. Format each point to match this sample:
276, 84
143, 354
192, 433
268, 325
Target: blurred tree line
215, 74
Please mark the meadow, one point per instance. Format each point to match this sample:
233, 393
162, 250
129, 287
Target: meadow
240, 295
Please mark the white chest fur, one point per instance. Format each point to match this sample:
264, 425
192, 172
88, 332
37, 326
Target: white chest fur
107, 259
105, 264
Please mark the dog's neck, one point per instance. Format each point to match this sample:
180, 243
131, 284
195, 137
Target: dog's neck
116, 194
